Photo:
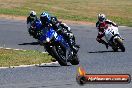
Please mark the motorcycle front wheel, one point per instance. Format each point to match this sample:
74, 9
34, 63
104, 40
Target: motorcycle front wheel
59, 55
75, 60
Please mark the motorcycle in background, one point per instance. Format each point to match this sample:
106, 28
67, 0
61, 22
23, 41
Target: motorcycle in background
113, 38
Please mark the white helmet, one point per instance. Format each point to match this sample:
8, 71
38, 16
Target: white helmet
101, 17
32, 14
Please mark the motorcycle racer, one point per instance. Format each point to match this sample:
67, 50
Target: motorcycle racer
102, 24
30, 23
60, 28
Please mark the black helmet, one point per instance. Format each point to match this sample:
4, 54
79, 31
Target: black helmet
54, 20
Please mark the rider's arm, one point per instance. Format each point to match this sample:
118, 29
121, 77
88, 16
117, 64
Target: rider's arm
100, 31
97, 25
28, 25
111, 23
28, 20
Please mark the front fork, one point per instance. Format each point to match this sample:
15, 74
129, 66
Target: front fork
114, 44
68, 53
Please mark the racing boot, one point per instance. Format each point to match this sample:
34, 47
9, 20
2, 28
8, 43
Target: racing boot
71, 41
75, 48
121, 37
105, 43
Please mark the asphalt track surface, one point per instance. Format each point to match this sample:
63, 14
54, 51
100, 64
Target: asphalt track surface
94, 57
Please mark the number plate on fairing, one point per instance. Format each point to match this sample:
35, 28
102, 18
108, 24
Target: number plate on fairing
108, 33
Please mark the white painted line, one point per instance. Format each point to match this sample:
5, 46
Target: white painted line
44, 52
122, 26
22, 66
3, 67
24, 50
55, 62
16, 49
13, 49
42, 64
52, 63
8, 48
20, 49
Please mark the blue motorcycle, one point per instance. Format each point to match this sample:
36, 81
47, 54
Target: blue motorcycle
55, 44
34, 29
58, 47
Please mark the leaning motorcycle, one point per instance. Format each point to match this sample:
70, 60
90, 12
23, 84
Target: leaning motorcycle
35, 29
113, 38
58, 47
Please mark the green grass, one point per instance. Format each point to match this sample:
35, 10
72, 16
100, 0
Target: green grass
78, 10
19, 57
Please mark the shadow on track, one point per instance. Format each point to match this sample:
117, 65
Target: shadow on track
101, 51
32, 43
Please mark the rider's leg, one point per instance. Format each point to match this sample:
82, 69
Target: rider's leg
71, 39
100, 40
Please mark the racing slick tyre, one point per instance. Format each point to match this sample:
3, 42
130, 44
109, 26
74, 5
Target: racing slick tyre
59, 55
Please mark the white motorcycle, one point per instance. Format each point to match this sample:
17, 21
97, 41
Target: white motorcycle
114, 39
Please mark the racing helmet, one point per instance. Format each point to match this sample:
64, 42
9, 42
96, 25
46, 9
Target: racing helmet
101, 17
54, 20
32, 15
45, 18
